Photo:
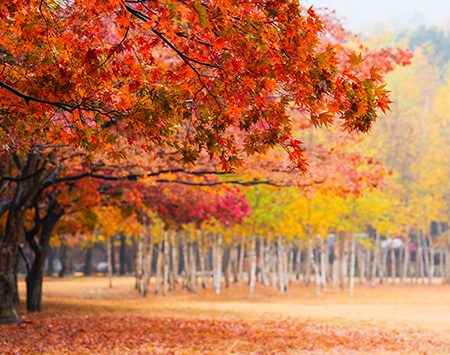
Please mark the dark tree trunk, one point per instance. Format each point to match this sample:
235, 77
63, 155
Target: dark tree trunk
16, 288
50, 260
26, 188
226, 266
7, 284
88, 262
122, 255
113, 256
34, 283
131, 255
43, 229
63, 258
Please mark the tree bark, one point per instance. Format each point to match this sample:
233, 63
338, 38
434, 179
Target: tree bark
50, 260
227, 266
87, 269
16, 299
336, 261
109, 248
323, 268
217, 263
175, 262
363, 263
241, 261
203, 266
266, 268
393, 264
192, 268
32, 174
447, 265
406, 258
159, 259
298, 263
139, 260
289, 263
375, 258
307, 266
281, 269
43, 229
383, 265
352, 263
147, 259
234, 258
419, 256
166, 259
315, 268
344, 260
431, 260
122, 255
252, 265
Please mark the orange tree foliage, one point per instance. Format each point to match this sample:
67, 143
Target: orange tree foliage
177, 73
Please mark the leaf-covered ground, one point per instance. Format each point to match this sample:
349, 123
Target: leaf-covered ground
80, 319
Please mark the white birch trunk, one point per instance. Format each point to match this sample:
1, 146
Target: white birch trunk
252, 265
234, 258
175, 263
273, 265
166, 263
148, 255
280, 266
227, 266
266, 269
308, 264
241, 262
363, 264
426, 256
286, 266
344, 259
352, 263
383, 265
315, 268
298, 263
431, 258
192, 268
420, 257
393, 264
447, 265
218, 263
336, 261
202, 263
110, 261
406, 257
139, 263
375, 258
289, 264
186, 269
323, 271
159, 260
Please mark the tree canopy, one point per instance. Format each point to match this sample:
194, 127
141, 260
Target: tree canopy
197, 76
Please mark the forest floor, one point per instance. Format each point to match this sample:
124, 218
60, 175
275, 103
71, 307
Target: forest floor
85, 316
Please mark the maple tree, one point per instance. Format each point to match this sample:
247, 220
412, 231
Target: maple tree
222, 66
214, 77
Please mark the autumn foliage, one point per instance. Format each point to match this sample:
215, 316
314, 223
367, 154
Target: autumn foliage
215, 77
104, 322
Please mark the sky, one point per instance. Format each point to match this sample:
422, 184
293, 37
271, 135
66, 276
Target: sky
359, 15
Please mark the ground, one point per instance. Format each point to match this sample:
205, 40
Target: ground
85, 316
